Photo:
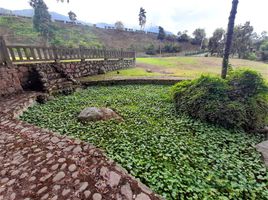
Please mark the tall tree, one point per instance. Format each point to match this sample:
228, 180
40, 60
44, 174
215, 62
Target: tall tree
41, 18
72, 16
142, 18
183, 36
216, 42
199, 36
229, 38
161, 36
243, 38
161, 33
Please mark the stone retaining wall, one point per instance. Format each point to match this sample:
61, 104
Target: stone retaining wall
9, 81
89, 68
25, 76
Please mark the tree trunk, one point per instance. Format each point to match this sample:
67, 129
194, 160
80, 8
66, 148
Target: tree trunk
228, 43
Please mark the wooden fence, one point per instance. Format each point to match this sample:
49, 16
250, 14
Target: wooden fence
16, 54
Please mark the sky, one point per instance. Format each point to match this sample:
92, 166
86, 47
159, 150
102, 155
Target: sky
172, 15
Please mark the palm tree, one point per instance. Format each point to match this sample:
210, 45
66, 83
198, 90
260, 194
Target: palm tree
229, 39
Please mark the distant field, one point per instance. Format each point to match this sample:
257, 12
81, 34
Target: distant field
185, 67
195, 66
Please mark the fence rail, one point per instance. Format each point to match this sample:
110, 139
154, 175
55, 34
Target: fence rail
13, 54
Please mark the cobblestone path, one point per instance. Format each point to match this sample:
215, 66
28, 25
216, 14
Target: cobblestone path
36, 164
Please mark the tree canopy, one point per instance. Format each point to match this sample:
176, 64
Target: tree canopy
199, 36
161, 34
41, 18
72, 16
142, 18
119, 25
216, 42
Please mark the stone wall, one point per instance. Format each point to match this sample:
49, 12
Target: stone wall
26, 77
9, 81
89, 68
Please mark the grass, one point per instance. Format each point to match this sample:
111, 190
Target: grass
180, 67
179, 158
125, 73
193, 67
62, 35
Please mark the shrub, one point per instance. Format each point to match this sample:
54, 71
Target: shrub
240, 101
250, 56
171, 48
150, 50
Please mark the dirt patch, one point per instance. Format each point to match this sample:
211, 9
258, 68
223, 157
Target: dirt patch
154, 68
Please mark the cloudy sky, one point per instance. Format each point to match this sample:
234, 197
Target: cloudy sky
173, 15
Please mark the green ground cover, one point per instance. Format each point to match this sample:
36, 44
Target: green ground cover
179, 158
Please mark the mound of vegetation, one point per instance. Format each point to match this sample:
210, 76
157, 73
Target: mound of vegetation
178, 157
240, 101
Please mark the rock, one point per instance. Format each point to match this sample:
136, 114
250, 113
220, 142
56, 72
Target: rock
98, 114
72, 167
114, 179
59, 176
102, 70
149, 70
142, 196
126, 191
96, 196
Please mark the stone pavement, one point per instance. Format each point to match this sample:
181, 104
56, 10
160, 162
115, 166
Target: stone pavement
38, 164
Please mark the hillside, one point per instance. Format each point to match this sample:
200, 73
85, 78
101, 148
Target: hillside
19, 30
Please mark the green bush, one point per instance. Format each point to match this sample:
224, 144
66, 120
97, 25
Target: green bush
240, 101
250, 56
150, 50
171, 48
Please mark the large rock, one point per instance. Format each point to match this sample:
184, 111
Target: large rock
98, 114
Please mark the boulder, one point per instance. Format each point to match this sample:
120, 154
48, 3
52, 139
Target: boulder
102, 70
98, 114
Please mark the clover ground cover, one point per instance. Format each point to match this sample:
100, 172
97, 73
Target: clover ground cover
179, 158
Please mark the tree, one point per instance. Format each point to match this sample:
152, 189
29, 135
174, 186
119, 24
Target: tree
183, 36
119, 25
216, 42
171, 38
199, 36
72, 16
161, 34
142, 18
242, 40
41, 18
229, 38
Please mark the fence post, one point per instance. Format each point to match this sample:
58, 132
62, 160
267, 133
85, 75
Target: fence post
105, 53
122, 56
4, 53
82, 53
55, 53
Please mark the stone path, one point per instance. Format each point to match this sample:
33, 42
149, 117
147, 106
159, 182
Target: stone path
38, 164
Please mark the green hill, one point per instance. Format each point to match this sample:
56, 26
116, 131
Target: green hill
19, 30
